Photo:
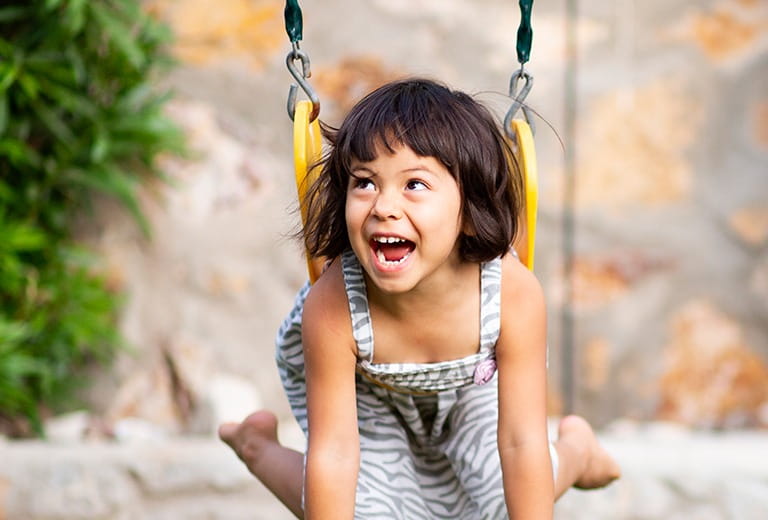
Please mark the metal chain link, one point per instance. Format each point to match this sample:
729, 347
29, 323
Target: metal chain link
524, 42
294, 26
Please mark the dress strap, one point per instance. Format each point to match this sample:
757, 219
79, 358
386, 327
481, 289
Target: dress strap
354, 283
490, 304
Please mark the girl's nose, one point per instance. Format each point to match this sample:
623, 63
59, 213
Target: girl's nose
387, 206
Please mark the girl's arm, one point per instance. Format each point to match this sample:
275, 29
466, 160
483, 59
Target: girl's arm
522, 431
333, 449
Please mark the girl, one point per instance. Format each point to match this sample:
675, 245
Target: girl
444, 414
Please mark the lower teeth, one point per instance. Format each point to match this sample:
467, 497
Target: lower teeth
383, 259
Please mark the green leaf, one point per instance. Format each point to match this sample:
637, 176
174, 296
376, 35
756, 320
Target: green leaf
22, 238
29, 85
100, 147
8, 73
75, 16
69, 99
54, 123
6, 193
19, 153
17, 366
119, 35
3, 112
11, 332
6, 48
12, 14
50, 5
76, 63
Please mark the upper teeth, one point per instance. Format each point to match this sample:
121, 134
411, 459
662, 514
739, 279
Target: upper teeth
388, 240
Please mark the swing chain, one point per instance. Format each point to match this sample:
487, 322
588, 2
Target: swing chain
524, 40
518, 100
296, 54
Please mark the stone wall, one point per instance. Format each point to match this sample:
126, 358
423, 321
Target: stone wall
670, 146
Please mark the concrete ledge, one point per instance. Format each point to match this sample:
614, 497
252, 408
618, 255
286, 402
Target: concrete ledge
167, 480
680, 476
667, 475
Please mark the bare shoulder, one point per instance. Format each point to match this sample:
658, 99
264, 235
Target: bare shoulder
523, 309
326, 309
519, 286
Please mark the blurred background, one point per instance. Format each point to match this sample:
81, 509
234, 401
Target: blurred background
652, 247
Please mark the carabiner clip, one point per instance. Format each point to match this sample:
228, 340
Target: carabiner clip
300, 77
518, 100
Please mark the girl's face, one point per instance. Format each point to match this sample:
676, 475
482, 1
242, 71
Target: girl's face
403, 216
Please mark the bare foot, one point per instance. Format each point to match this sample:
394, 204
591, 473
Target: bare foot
280, 469
252, 437
600, 469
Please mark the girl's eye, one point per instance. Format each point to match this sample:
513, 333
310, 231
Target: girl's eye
416, 185
362, 183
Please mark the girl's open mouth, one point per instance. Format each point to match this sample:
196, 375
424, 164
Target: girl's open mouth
391, 251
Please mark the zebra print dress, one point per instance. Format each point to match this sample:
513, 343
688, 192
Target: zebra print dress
428, 444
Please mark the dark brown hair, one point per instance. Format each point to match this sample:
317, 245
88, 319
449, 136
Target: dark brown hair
433, 121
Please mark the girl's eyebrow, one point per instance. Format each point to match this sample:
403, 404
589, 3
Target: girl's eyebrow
411, 169
418, 168
360, 168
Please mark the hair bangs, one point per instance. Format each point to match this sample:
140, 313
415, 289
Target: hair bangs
414, 115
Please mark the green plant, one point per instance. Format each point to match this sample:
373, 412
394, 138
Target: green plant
78, 117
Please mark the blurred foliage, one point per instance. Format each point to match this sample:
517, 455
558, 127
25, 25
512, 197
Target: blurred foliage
78, 117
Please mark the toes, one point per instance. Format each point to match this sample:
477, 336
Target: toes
227, 431
599, 468
575, 424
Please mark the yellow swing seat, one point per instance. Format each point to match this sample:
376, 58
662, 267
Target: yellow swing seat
525, 151
307, 151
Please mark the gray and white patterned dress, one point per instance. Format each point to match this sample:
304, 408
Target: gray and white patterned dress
428, 445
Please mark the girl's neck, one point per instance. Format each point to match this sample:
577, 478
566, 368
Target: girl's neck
434, 292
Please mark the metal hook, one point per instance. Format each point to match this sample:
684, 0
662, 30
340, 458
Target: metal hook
300, 77
518, 100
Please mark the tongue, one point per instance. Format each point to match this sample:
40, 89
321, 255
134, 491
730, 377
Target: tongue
393, 252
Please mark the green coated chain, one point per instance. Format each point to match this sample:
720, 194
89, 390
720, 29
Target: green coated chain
293, 21
524, 32
518, 95
294, 27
